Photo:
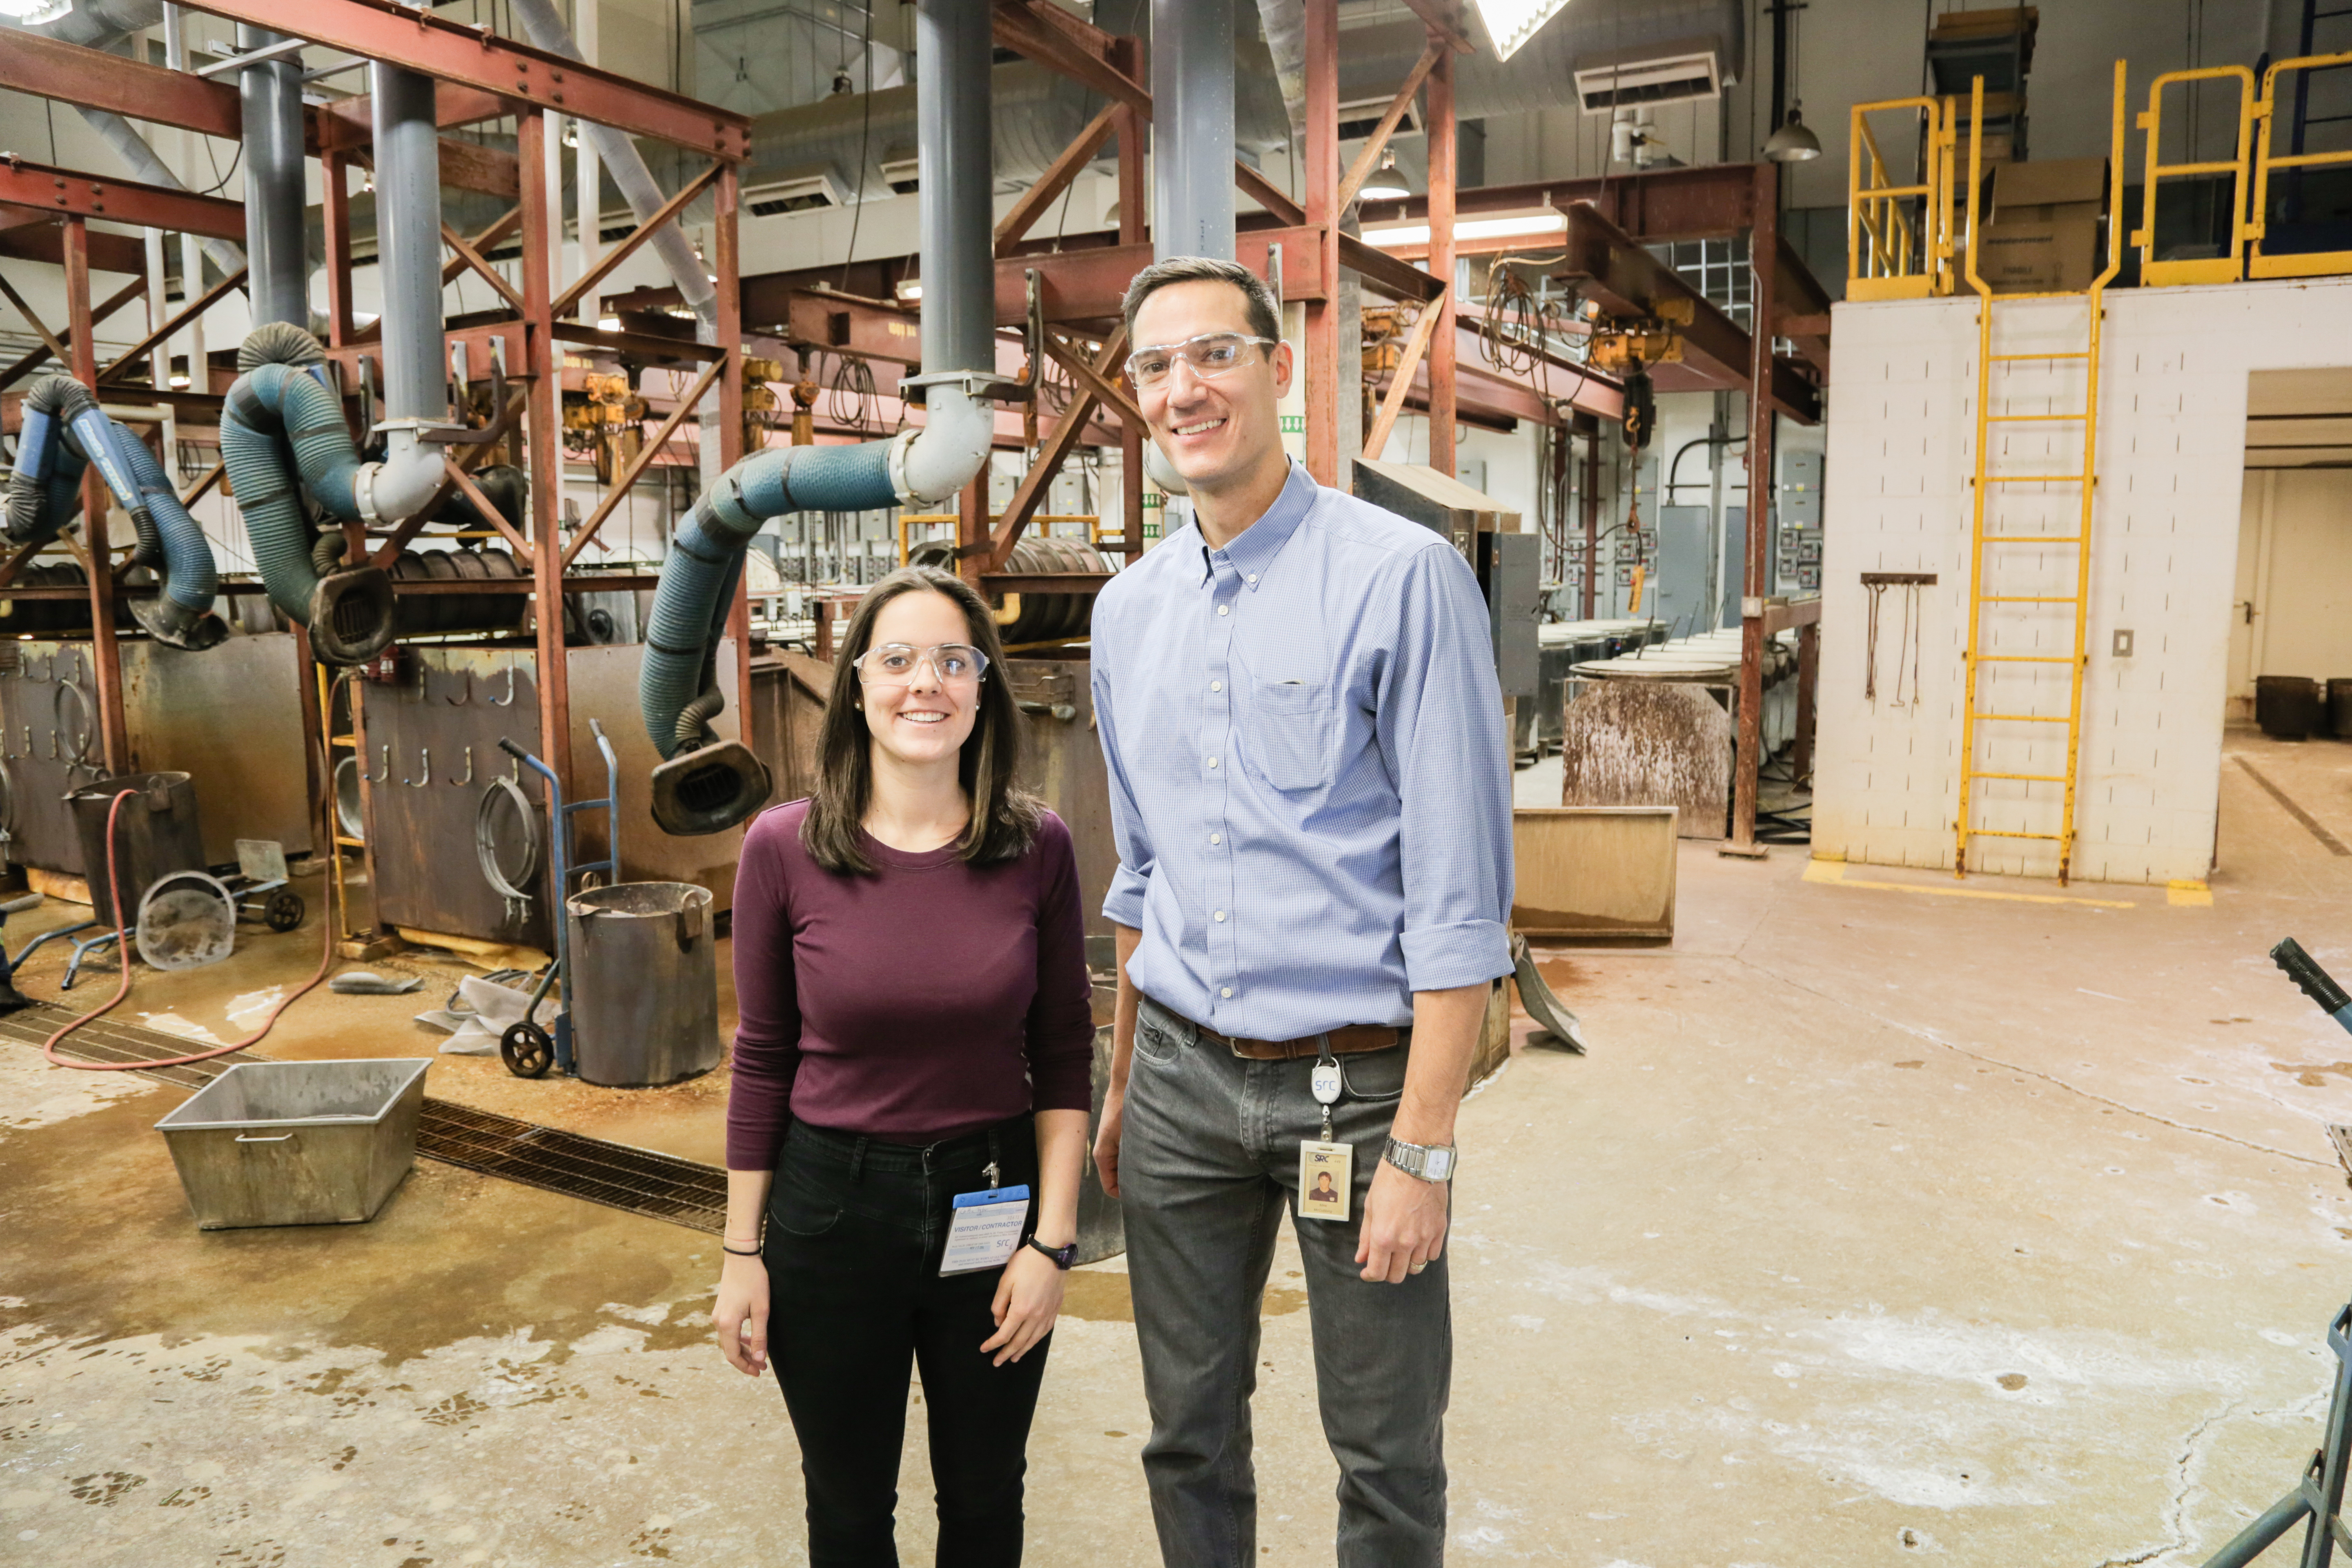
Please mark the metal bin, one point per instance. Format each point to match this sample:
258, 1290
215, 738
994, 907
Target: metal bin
642, 984
156, 834
297, 1143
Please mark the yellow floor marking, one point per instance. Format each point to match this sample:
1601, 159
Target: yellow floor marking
1834, 872
2188, 895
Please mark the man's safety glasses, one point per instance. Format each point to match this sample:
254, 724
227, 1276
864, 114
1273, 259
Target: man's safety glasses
1211, 355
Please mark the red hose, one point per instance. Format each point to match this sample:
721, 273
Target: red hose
122, 947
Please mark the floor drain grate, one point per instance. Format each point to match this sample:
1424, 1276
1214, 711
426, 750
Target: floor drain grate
659, 1186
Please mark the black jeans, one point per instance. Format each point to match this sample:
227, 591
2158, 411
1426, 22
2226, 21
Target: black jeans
856, 1228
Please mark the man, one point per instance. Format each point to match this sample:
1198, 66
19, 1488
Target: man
1311, 797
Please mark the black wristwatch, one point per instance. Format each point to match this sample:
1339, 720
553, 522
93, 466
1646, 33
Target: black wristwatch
1063, 1257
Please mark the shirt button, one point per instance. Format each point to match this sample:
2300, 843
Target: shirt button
1225, 609
1213, 761
1226, 991
1216, 686
1220, 915
1216, 838
1253, 576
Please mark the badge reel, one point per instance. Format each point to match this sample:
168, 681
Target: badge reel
986, 1230
1326, 1167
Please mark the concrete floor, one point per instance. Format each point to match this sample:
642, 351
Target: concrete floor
1997, 1228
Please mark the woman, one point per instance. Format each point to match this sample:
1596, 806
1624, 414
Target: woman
917, 1028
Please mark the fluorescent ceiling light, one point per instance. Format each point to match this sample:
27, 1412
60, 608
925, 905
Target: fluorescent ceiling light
35, 13
608, 322
1511, 23
1472, 229
910, 289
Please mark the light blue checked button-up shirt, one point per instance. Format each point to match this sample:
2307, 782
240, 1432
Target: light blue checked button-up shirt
1309, 783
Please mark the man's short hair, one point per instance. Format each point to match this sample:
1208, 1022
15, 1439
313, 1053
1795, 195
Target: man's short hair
1265, 314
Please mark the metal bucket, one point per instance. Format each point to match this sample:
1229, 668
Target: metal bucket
297, 1143
641, 983
156, 834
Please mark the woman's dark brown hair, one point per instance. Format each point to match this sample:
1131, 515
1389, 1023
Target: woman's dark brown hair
1005, 816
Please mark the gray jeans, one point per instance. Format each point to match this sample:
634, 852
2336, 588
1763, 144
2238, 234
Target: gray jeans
1208, 1158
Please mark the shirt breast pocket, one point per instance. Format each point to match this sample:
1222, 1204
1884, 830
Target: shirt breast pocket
1290, 733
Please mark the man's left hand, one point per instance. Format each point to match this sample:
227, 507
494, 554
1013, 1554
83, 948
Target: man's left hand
1405, 1225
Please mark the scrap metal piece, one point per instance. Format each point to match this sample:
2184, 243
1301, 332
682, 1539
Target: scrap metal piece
1562, 1026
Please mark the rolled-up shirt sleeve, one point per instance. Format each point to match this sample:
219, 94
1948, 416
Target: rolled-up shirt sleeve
767, 997
1123, 900
1441, 730
1061, 1024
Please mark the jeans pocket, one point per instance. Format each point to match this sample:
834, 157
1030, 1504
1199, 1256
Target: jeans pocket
800, 1205
1155, 1043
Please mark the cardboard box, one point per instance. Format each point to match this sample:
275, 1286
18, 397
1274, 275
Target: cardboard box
2043, 234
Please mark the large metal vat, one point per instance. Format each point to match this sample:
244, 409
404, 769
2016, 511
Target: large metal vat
155, 834
642, 984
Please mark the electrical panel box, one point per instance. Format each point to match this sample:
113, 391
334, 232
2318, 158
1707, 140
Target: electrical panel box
1512, 578
1471, 471
1676, 590
1800, 488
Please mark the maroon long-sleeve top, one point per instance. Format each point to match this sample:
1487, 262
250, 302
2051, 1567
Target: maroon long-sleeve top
928, 999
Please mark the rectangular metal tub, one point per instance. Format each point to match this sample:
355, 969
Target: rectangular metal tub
297, 1143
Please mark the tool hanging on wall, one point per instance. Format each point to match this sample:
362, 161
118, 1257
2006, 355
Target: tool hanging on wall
1875, 584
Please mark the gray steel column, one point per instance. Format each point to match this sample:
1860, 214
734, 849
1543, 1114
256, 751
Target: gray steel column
954, 145
1192, 128
408, 242
270, 95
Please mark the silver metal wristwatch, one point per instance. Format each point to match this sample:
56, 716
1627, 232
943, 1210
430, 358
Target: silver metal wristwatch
1423, 1161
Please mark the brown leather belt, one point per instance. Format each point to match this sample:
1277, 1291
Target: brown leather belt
1353, 1040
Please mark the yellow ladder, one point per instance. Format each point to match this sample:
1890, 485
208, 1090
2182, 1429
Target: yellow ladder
2000, 618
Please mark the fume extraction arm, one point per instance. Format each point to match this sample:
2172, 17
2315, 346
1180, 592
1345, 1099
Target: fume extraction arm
283, 437
65, 432
707, 785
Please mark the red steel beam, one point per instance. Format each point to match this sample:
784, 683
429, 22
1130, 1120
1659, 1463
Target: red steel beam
1442, 172
478, 58
1711, 201
543, 440
1128, 57
51, 67
106, 655
1088, 285
66, 192
1321, 180
1748, 760
39, 241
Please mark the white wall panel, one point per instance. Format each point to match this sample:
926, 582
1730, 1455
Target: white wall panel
2164, 566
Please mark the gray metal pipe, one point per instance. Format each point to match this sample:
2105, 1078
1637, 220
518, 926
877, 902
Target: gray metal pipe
270, 96
408, 242
132, 149
952, 144
1192, 112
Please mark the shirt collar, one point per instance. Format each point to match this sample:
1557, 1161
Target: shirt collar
1254, 549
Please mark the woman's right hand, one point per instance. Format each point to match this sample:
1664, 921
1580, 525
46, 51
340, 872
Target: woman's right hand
740, 1315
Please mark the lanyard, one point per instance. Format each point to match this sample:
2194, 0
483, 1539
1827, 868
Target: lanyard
1326, 1081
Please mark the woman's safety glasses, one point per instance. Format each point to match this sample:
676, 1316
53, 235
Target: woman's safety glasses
955, 666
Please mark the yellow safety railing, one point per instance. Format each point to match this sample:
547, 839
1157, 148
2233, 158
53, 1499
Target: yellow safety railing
1903, 259
908, 520
2308, 264
2154, 273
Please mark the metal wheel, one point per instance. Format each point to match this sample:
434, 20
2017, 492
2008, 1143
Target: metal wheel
527, 1051
284, 910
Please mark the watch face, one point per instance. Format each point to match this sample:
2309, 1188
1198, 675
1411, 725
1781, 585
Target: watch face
1440, 1164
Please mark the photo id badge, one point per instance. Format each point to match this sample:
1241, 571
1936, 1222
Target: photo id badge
986, 1229
1323, 1173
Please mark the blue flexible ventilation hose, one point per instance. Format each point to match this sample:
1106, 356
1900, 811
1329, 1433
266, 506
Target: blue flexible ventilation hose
168, 538
678, 685
282, 437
